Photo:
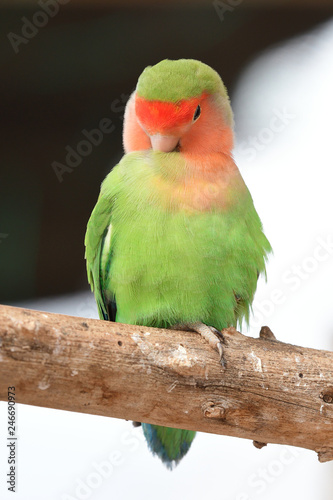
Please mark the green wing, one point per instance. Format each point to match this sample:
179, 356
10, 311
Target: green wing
98, 249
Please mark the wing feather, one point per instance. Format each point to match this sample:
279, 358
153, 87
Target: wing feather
98, 254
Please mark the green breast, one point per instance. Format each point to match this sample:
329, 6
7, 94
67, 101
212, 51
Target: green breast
170, 266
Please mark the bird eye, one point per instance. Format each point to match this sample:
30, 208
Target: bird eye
197, 113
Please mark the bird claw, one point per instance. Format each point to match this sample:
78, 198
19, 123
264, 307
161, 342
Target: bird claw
213, 336
220, 349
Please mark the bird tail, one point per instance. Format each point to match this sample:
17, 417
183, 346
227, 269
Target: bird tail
169, 444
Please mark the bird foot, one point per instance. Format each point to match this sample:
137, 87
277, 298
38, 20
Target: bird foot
213, 336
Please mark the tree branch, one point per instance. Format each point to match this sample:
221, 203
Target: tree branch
269, 391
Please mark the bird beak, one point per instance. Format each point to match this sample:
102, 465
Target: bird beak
164, 143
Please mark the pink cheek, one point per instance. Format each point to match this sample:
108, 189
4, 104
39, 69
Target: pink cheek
208, 136
135, 139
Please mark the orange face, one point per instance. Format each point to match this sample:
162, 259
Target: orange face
164, 117
195, 126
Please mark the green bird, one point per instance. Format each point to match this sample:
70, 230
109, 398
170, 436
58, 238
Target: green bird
174, 238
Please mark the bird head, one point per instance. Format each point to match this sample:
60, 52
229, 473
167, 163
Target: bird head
179, 106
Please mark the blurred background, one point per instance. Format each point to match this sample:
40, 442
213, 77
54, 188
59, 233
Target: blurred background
67, 69
63, 73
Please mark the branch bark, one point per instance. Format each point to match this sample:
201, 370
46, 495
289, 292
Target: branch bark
269, 391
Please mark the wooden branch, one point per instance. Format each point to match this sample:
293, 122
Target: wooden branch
269, 391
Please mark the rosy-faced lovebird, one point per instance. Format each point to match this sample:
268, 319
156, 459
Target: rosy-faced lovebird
174, 238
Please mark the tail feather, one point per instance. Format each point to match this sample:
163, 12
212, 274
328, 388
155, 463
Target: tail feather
169, 444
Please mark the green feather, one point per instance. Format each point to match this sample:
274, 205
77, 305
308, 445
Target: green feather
171, 266
155, 261
169, 444
174, 81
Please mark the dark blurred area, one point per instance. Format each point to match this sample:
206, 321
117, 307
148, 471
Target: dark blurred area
65, 77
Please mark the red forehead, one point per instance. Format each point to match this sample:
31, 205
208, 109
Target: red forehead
157, 115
